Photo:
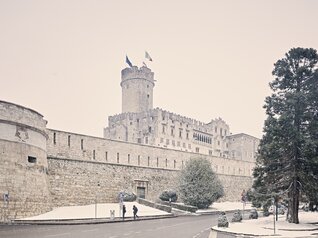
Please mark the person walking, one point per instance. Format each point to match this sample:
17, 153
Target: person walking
135, 210
124, 211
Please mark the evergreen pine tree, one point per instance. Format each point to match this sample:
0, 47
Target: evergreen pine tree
288, 154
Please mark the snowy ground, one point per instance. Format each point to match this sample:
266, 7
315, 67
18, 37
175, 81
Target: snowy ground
265, 226
103, 211
261, 226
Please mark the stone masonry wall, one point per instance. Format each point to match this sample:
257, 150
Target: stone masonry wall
67, 145
75, 182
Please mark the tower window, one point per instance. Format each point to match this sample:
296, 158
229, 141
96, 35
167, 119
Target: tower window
54, 138
138, 159
147, 95
117, 157
69, 140
32, 159
94, 154
82, 144
147, 85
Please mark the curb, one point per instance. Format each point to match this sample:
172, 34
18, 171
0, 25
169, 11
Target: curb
86, 220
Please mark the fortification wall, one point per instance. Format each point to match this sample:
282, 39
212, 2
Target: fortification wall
75, 182
23, 162
81, 147
78, 163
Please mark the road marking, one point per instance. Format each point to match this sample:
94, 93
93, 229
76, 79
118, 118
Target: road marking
201, 232
90, 230
61, 234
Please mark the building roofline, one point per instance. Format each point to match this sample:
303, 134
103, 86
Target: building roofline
19, 106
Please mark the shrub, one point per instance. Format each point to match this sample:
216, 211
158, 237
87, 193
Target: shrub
167, 194
199, 185
128, 196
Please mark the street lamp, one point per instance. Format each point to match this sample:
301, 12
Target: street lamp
96, 200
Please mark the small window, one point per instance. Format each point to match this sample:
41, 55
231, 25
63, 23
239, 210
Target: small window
69, 141
32, 159
94, 154
54, 138
149, 128
147, 95
106, 156
117, 157
147, 86
157, 161
128, 158
138, 159
148, 161
174, 164
197, 149
82, 144
166, 162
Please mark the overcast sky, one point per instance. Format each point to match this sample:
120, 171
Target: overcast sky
211, 59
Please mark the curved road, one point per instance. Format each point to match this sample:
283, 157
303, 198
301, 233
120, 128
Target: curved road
183, 227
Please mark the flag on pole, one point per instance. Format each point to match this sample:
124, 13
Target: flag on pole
147, 56
128, 62
144, 64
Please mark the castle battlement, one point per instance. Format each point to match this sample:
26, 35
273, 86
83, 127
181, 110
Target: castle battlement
137, 73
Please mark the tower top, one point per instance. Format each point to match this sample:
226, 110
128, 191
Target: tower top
137, 73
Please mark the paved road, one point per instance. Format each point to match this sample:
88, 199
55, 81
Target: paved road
183, 227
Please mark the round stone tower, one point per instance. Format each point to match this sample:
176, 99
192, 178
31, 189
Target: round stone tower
24, 186
137, 89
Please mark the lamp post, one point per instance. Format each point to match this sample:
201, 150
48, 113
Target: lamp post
96, 200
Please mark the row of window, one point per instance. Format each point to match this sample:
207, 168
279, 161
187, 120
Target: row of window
202, 138
173, 143
138, 160
172, 132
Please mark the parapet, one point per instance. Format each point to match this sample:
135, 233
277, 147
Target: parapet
137, 73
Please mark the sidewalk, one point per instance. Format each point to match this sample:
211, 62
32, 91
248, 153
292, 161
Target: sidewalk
264, 227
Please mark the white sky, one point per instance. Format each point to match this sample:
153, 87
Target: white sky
211, 58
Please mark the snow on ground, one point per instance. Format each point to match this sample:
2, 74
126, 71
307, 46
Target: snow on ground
261, 226
88, 211
265, 226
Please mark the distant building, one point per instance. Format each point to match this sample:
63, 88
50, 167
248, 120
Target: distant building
140, 123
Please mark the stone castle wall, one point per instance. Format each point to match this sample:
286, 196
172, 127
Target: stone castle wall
75, 182
23, 162
78, 163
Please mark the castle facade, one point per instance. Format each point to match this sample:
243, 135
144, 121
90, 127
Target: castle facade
142, 151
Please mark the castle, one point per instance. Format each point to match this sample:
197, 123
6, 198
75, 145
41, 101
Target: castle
142, 151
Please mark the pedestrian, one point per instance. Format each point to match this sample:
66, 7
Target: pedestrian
135, 210
124, 211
